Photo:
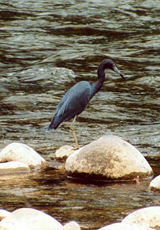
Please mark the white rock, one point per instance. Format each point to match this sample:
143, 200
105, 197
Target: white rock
3, 214
13, 167
23, 153
11, 227
29, 219
109, 157
148, 217
124, 226
72, 225
64, 152
155, 184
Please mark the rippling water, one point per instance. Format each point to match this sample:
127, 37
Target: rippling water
46, 47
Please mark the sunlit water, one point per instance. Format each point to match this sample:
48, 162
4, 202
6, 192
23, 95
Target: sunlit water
46, 47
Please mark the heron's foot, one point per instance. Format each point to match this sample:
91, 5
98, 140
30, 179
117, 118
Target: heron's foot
76, 148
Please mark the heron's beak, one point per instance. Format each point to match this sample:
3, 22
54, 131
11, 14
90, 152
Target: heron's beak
117, 71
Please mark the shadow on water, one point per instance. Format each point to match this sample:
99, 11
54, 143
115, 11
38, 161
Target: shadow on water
47, 47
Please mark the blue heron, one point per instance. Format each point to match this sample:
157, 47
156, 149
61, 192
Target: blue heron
77, 97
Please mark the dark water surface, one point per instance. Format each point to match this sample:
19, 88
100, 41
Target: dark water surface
45, 48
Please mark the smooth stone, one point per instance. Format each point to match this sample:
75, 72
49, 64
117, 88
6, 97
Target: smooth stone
148, 217
64, 152
109, 157
3, 214
13, 167
11, 227
124, 226
72, 225
29, 219
155, 184
23, 153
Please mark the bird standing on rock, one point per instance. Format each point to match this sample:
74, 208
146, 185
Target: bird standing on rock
77, 97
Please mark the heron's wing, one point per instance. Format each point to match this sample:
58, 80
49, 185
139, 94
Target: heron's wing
74, 101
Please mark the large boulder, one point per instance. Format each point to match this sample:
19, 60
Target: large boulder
109, 157
155, 184
23, 153
124, 226
148, 217
29, 219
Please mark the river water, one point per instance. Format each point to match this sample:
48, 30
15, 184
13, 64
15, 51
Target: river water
48, 46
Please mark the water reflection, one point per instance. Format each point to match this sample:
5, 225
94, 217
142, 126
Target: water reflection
92, 205
46, 47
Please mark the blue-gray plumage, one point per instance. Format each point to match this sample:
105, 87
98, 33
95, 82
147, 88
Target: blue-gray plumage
76, 99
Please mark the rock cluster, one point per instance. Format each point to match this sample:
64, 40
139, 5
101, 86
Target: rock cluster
108, 158
32, 219
20, 158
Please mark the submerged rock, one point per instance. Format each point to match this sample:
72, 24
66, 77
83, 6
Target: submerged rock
13, 167
23, 153
148, 217
155, 184
29, 219
109, 157
124, 226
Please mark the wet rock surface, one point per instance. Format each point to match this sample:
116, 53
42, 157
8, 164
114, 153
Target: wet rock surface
148, 217
13, 167
155, 184
109, 157
125, 226
64, 152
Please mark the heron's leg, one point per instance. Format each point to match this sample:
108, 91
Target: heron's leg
73, 132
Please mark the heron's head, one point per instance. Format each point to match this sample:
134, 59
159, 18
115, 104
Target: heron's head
109, 64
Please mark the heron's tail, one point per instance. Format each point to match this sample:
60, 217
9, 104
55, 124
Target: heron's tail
55, 122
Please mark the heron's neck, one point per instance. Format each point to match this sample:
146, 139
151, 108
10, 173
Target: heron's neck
95, 87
